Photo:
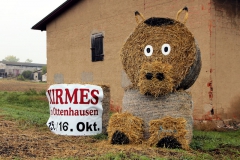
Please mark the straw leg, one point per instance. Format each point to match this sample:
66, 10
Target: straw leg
119, 138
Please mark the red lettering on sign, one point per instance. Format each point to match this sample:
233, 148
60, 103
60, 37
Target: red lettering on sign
84, 94
94, 96
70, 98
59, 93
78, 96
49, 94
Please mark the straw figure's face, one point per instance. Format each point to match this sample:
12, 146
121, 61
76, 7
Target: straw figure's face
158, 55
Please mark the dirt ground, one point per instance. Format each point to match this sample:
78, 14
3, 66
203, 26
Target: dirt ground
38, 144
14, 85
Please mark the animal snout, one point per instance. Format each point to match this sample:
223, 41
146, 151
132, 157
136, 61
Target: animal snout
159, 76
149, 76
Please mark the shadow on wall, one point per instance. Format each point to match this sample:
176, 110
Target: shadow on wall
231, 7
234, 110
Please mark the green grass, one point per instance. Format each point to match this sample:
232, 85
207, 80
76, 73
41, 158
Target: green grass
221, 145
123, 156
100, 136
210, 140
28, 108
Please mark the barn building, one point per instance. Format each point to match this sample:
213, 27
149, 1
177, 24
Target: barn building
13, 69
84, 38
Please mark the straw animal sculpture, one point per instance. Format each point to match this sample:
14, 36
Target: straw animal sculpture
161, 58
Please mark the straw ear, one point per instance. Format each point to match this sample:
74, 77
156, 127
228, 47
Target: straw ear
186, 15
137, 14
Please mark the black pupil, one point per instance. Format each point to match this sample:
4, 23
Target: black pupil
165, 49
148, 50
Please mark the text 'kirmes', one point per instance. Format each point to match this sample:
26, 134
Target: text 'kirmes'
78, 96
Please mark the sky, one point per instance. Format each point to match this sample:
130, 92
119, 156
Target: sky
16, 36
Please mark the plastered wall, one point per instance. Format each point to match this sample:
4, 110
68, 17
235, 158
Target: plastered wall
225, 58
69, 53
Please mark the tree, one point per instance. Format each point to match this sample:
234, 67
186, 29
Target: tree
28, 61
27, 74
44, 69
20, 78
11, 58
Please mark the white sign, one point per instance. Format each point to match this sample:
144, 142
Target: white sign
75, 109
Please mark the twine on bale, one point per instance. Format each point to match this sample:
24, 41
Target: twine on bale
168, 128
128, 124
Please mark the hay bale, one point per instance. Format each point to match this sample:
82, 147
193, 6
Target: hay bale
106, 107
148, 108
128, 124
168, 132
184, 57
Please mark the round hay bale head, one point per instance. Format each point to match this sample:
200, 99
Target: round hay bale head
148, 108
167, 42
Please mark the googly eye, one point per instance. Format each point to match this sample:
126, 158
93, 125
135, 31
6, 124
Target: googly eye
148, 50
166, 49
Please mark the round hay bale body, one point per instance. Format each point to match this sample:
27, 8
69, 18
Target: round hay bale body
148, 108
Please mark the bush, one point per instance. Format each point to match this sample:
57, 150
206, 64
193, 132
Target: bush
27, 74
20, 78
44, 69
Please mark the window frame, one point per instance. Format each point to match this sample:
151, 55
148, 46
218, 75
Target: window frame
97, 50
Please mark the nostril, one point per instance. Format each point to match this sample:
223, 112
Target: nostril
160, 76
149, 76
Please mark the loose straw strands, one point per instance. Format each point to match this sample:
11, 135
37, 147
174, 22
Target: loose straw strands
128, 124
168, 127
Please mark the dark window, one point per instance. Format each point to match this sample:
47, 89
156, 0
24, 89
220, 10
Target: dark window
97, 47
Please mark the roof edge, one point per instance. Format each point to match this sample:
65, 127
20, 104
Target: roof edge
41, 25
22, 63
